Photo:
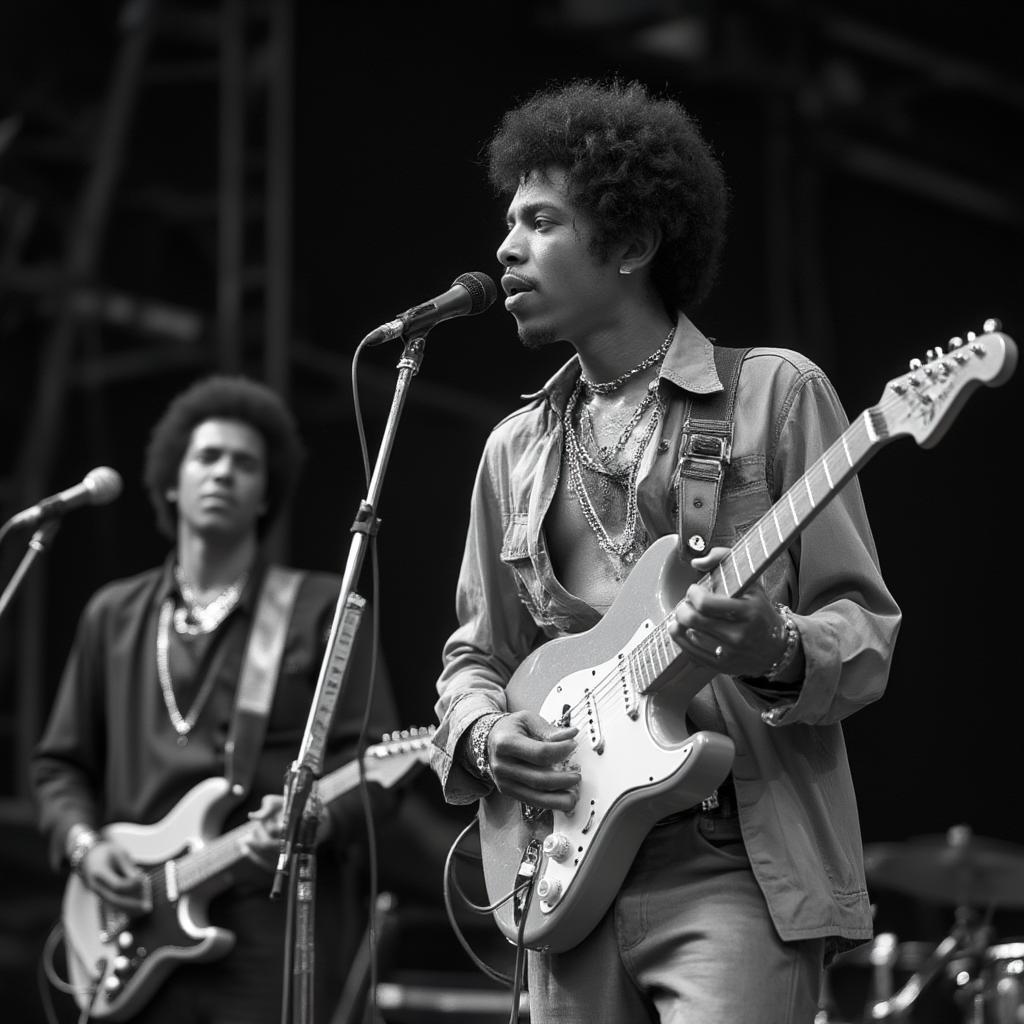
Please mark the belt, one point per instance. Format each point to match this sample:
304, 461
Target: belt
719, 803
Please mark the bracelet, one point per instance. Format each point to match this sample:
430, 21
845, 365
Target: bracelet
478, 734
84, 840
792, 635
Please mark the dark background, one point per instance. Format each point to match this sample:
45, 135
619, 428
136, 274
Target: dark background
878, 210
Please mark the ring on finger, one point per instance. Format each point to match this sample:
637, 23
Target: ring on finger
718, 651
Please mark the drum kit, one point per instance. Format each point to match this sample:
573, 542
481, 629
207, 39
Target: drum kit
968, 977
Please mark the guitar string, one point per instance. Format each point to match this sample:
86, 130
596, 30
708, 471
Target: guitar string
854, 436
606, 690
200, 860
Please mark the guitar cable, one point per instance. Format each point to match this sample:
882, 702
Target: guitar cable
450, 881
47, 976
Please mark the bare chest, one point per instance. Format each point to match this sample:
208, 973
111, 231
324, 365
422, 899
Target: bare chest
593, 527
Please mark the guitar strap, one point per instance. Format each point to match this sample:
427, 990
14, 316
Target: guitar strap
705, 449
260, 670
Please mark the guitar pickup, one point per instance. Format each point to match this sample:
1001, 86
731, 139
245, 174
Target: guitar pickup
630, 698
595, 737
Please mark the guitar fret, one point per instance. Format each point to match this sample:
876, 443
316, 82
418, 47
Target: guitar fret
828, 475
649, 669
778, 528
792, 508
760, 534
721, 573
636, 668
657, 654
810, 493
750, 561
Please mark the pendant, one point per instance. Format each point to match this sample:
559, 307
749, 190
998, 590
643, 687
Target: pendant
183, 740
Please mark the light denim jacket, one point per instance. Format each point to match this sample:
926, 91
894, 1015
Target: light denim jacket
796, 799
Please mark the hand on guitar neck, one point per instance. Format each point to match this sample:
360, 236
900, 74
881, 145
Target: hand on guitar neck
744, 636
109, 870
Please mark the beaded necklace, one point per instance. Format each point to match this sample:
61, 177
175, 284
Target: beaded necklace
193, 619
182, 725
606, 465
630, 541
607, 387
196, 617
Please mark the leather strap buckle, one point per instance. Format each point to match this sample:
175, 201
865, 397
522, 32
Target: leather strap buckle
708, 446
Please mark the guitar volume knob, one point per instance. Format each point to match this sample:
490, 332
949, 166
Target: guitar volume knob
549, 890
557, 847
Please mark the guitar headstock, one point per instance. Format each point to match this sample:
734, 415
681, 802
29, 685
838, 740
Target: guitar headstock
924, 401
388, 761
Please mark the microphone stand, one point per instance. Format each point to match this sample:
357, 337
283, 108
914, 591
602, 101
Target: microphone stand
302, 804
37, 544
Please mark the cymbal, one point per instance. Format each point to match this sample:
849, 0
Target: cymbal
958, 869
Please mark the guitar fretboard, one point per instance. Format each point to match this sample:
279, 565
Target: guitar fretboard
768, 537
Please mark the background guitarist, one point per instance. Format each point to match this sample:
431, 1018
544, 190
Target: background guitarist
146, 702
615, 225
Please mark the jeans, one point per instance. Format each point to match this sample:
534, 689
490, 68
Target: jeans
688, 940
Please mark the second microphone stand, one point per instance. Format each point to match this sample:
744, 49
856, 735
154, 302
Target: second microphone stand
296, 863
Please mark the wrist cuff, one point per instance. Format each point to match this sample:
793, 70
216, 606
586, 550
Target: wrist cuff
81, 839
478, 734
792, 637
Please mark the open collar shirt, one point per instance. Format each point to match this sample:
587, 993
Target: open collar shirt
794, 789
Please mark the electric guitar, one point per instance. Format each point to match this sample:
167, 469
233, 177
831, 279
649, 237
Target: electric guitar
556, 873
116, 962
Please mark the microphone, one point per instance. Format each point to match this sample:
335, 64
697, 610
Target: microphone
100, 486
469, 294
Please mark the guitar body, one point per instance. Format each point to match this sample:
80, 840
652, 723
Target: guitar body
637, 759
123, 960
627, 686
116, 963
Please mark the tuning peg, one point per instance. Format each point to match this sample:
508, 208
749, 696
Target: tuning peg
955, 342
992, 324
915, 364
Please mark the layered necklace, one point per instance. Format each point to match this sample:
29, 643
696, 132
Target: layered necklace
193, 619
613, 472
195, 616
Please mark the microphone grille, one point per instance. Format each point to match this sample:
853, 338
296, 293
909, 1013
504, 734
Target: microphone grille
104, 484
482, 290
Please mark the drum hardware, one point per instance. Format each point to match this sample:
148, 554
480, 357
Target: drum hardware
966, 872
957, 869
962, 949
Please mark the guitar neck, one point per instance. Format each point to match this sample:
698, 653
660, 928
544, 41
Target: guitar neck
226, 850
793, 512
769, 536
